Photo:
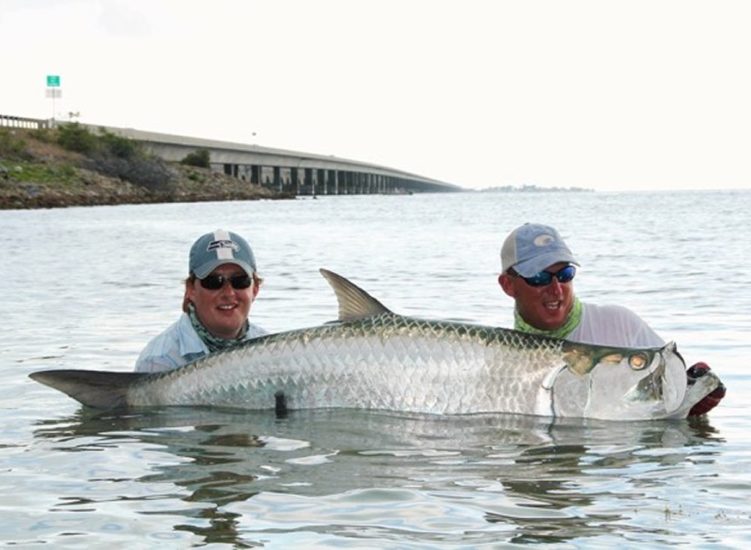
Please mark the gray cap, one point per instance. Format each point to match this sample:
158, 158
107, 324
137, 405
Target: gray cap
532, 247
218, 248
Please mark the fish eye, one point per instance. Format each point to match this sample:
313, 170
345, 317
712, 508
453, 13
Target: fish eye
638, 361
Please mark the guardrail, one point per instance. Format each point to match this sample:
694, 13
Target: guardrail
9, 121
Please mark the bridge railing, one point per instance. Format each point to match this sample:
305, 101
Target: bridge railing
10, 121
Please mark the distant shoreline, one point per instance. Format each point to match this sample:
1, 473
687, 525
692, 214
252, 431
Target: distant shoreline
533, 189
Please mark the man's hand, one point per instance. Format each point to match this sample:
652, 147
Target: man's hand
697, 370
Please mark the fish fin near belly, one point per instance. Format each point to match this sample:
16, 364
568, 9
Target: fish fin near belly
544, 405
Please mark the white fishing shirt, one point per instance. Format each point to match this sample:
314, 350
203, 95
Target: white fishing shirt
611, 325
179, 345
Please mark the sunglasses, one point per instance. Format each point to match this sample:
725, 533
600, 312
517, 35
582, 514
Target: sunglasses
544, 278
215, 282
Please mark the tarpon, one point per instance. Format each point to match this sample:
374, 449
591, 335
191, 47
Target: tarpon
372, 358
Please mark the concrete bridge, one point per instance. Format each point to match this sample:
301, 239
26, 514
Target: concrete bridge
289, 171
293, 172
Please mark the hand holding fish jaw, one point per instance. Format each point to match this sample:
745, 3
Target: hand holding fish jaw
709, 402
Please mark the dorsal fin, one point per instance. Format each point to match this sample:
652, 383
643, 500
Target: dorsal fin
354, 302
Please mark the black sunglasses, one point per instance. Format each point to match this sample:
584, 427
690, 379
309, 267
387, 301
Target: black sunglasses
544, 278
215, 282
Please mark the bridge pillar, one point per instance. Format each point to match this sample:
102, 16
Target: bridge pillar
330, 175
292, 184
308, 186
264, 176
321, 181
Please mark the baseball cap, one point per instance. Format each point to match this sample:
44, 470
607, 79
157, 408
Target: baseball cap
218, 248
532, 247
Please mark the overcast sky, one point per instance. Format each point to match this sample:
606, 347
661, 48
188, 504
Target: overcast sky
637, 94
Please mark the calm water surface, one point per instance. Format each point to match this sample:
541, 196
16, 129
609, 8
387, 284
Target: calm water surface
87, 287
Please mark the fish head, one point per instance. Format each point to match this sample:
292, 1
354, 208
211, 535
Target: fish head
619, 383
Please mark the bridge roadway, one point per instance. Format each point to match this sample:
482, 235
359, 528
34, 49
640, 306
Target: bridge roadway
293, 172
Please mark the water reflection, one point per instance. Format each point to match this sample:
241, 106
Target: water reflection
534, 479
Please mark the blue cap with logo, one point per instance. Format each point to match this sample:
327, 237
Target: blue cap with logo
532, 247
218, 248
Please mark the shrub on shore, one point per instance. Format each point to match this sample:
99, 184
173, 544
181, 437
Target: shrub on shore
116, 156
12, 147
200, 158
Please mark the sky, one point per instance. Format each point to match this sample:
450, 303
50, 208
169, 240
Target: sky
599, 94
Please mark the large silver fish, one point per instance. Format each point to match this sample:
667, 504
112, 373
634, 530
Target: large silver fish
372, 358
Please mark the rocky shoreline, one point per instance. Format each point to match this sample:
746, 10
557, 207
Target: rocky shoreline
96, 190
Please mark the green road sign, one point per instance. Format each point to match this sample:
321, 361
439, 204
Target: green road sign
53, 81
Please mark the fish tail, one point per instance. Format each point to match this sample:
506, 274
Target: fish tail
98, 389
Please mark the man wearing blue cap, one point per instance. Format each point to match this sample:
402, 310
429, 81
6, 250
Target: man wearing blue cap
221, 286
538, 270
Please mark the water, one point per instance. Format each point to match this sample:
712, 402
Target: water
87, 287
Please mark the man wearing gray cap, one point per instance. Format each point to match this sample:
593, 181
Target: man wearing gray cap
221, 286
538, 270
